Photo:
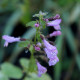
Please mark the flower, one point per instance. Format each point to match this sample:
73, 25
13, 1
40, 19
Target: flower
9, 39
37, 48
36, 24
48, 45
50, 53
41, 69
55, 33
53, 60
49, 49
55, 24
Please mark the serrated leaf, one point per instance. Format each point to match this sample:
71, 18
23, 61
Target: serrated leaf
24, 63
24, 43
3, 76
31, 24
11, 71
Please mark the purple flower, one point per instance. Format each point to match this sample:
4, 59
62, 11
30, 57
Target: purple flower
50, 53
53, 60
37, 25
9, 39
55, 33
55, 24
48, 45
41, 69
37, 48
49, 49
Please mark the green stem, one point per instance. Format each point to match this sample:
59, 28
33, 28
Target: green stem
35, 37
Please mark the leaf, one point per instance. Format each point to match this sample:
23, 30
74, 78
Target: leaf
3, 76
12, 22
31, 24
28, 78
24, 63
71, 40
11, 70
78, 60
75, 13
45, 77
34, 76
24, 43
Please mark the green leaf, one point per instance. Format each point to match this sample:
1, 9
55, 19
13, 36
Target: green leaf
44, 77
3, 76
24, 63
11, 70
78, 60
24, 43
71, 40
28, 78
75, 13
34, 76
31, 24
12, 22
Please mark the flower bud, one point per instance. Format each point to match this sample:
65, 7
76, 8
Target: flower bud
36, 24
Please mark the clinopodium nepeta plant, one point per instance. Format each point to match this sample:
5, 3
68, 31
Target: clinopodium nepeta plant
40, 44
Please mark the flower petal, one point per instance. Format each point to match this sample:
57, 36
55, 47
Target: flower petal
5, 44
57, 27
53, 60
54, 22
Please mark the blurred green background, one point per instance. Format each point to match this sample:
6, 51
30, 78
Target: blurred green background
14, 14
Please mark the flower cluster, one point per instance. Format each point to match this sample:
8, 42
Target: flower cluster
41, 42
